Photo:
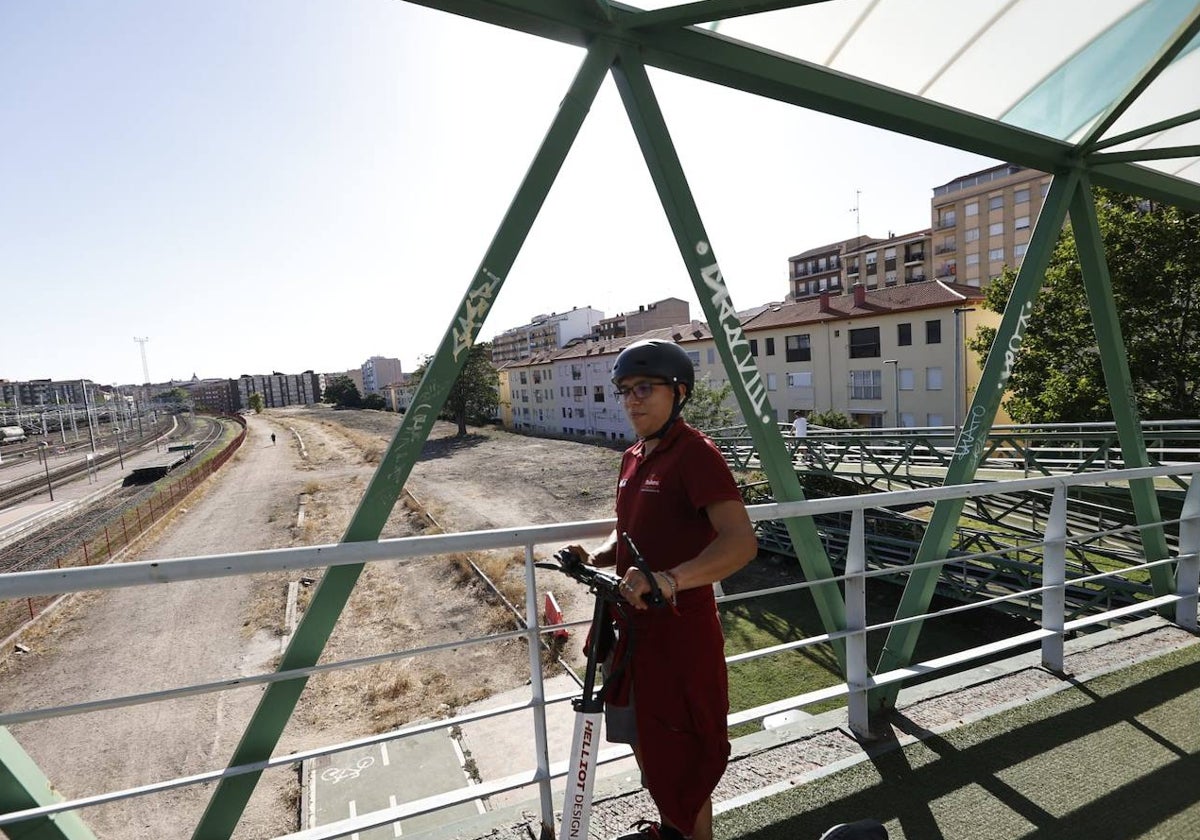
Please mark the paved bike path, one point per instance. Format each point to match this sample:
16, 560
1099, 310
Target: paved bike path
359, 781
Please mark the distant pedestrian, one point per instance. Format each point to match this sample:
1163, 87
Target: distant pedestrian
272, 438
800, 430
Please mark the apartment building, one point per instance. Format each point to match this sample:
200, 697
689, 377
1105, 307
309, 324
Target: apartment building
652, 316
888, 356
281, 389
544, 334
378, 372
874, 263
884, 357
217, 396
36, 393
983, 222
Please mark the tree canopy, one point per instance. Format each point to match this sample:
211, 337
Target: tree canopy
475, 394
256, 402
341, 391
1153, 254
707, 409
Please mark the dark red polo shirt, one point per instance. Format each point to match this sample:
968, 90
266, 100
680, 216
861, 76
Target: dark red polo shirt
678, 667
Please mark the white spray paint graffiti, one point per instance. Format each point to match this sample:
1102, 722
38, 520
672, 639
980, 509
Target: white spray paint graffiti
475, 308
970, 442
738, 345
1014, 344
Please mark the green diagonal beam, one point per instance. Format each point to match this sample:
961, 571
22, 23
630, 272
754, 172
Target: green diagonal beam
972, 439
748, 385
276, 706
23, 786
707, 11
1115, 362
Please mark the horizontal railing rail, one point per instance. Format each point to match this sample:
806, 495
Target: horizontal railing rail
541, 771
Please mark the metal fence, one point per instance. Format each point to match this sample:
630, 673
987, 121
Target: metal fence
537, 768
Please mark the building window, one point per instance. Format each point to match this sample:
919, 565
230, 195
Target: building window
972, 235
770, 346
996, 255
524, 378
971, 209
947, 218
864, 343
712, 355
996, 202
933, 332
1022, 223
996, 229
907, 379
866, 384
972, 259
694, 355
1019, 250
598, 393
754, 347
904, 334
772, 382
797, 348
1021, 196
800, 379
933, 380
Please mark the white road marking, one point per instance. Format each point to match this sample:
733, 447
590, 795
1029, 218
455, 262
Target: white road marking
396, 825
383, 749
353, 814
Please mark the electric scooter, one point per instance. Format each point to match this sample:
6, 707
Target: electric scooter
581, 763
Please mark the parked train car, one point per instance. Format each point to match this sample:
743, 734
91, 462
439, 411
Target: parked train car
11, 434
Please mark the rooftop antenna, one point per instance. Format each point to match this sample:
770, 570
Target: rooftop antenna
145, 366
857, 217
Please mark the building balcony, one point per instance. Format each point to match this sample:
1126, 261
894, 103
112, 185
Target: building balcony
946, 249
917, 257
943, 224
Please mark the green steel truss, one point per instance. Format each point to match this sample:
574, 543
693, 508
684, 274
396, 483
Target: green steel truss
628, 40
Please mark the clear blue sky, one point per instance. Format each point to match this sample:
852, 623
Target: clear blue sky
296, 184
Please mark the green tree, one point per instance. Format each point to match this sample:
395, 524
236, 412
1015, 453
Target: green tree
256, 403
831, 420
342, 391
1153, 254
475, 394
374, 401
707, 408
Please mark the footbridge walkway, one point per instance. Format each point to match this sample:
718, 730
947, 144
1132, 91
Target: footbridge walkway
1133, 731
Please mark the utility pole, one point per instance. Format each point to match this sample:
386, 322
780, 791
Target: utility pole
145, 366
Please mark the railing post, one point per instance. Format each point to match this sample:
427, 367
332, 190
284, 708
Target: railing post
856, 622
1054, 574
1187, 572
538, 687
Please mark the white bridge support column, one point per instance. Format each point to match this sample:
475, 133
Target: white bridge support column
1054, 578
856, 622
1187, 573
538, 687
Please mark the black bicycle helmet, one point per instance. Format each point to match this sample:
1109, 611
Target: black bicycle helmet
661, 359
654, 357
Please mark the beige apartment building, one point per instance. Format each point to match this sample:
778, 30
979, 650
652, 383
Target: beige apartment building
873, 263
876, 355
983, 221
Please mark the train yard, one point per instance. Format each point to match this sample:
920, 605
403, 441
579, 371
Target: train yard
61, 537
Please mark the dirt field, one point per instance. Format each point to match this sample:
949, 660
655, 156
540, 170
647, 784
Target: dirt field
135, 640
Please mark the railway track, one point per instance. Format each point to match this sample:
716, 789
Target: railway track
55, 541
24, 488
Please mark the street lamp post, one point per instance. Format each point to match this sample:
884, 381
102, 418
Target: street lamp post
895, 363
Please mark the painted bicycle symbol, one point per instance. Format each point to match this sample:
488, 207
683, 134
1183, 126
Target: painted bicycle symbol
338, 774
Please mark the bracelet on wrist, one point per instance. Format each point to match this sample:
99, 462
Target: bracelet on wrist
670, 576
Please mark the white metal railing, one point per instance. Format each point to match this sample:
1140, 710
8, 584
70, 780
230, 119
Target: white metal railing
410, 549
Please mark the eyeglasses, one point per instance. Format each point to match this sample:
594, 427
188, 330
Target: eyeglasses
642, 390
